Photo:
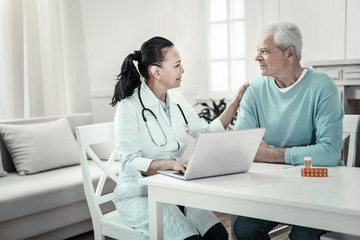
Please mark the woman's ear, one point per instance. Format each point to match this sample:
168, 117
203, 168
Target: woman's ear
155, 72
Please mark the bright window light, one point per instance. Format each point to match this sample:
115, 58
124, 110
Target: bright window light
218, 41
218, 11
237, 74
219, 76
237, 9
237, 30
226, 45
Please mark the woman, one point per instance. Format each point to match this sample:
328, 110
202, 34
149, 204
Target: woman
151, 127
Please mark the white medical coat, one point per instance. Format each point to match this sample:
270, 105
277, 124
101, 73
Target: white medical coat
134, 144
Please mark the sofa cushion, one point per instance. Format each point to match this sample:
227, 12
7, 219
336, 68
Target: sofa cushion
47, 190
40, 146
54, 224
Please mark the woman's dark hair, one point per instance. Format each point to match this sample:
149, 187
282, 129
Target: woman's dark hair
152, 52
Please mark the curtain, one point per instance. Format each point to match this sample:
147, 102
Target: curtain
43, 65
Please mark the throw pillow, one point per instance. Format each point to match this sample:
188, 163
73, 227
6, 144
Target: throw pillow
40, 146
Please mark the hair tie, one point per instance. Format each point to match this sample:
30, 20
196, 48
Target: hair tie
137, 55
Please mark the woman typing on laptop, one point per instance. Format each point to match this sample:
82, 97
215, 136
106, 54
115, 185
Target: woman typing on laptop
151, 127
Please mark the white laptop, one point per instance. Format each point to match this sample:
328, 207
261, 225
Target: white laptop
221, 153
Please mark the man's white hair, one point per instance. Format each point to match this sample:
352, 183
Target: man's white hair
286, 34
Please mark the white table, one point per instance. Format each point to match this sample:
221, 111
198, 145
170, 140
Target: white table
266, 191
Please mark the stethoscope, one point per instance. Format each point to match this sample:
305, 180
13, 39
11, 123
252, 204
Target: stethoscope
187, 128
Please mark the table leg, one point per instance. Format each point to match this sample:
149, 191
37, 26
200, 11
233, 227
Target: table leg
155, 218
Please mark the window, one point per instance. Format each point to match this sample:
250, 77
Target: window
226, 45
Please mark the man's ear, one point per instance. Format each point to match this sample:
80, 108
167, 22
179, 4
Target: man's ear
155, 72
291, 52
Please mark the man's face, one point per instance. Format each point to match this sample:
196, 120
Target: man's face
272, 60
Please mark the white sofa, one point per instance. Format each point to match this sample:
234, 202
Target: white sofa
45, 205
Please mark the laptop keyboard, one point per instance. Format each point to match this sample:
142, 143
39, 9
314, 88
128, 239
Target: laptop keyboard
179, 173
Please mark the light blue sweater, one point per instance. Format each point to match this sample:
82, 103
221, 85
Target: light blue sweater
307, 118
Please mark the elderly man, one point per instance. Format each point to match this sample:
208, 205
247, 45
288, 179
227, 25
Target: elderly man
300, 110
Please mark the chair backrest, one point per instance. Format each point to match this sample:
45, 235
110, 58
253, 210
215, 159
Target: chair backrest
350, 130
87, 136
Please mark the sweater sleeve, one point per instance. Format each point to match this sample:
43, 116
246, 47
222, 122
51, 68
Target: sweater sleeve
246, 117
327, 121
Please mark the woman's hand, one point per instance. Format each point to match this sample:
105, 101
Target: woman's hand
180, 166
239, 95
157, 165
230, 111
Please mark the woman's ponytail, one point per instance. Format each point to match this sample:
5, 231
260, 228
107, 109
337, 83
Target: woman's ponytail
128, 79
152, 53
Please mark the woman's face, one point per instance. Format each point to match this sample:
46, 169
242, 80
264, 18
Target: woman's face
171, 69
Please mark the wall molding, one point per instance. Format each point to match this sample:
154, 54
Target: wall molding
101, 92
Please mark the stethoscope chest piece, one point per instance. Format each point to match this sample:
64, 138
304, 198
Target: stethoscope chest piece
188, 129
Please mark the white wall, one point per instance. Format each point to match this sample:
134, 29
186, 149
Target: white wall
114, 28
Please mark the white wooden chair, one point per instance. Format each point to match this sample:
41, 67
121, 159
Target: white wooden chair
108, 224
350, 130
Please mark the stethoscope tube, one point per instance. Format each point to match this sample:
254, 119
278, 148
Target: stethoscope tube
187, 127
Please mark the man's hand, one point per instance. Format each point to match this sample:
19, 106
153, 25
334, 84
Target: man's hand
268, 154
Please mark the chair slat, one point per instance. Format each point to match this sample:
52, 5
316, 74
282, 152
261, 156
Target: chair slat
108, 224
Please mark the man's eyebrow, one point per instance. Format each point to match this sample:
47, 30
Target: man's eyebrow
264, 49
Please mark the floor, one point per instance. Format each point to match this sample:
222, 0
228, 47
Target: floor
224, 218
